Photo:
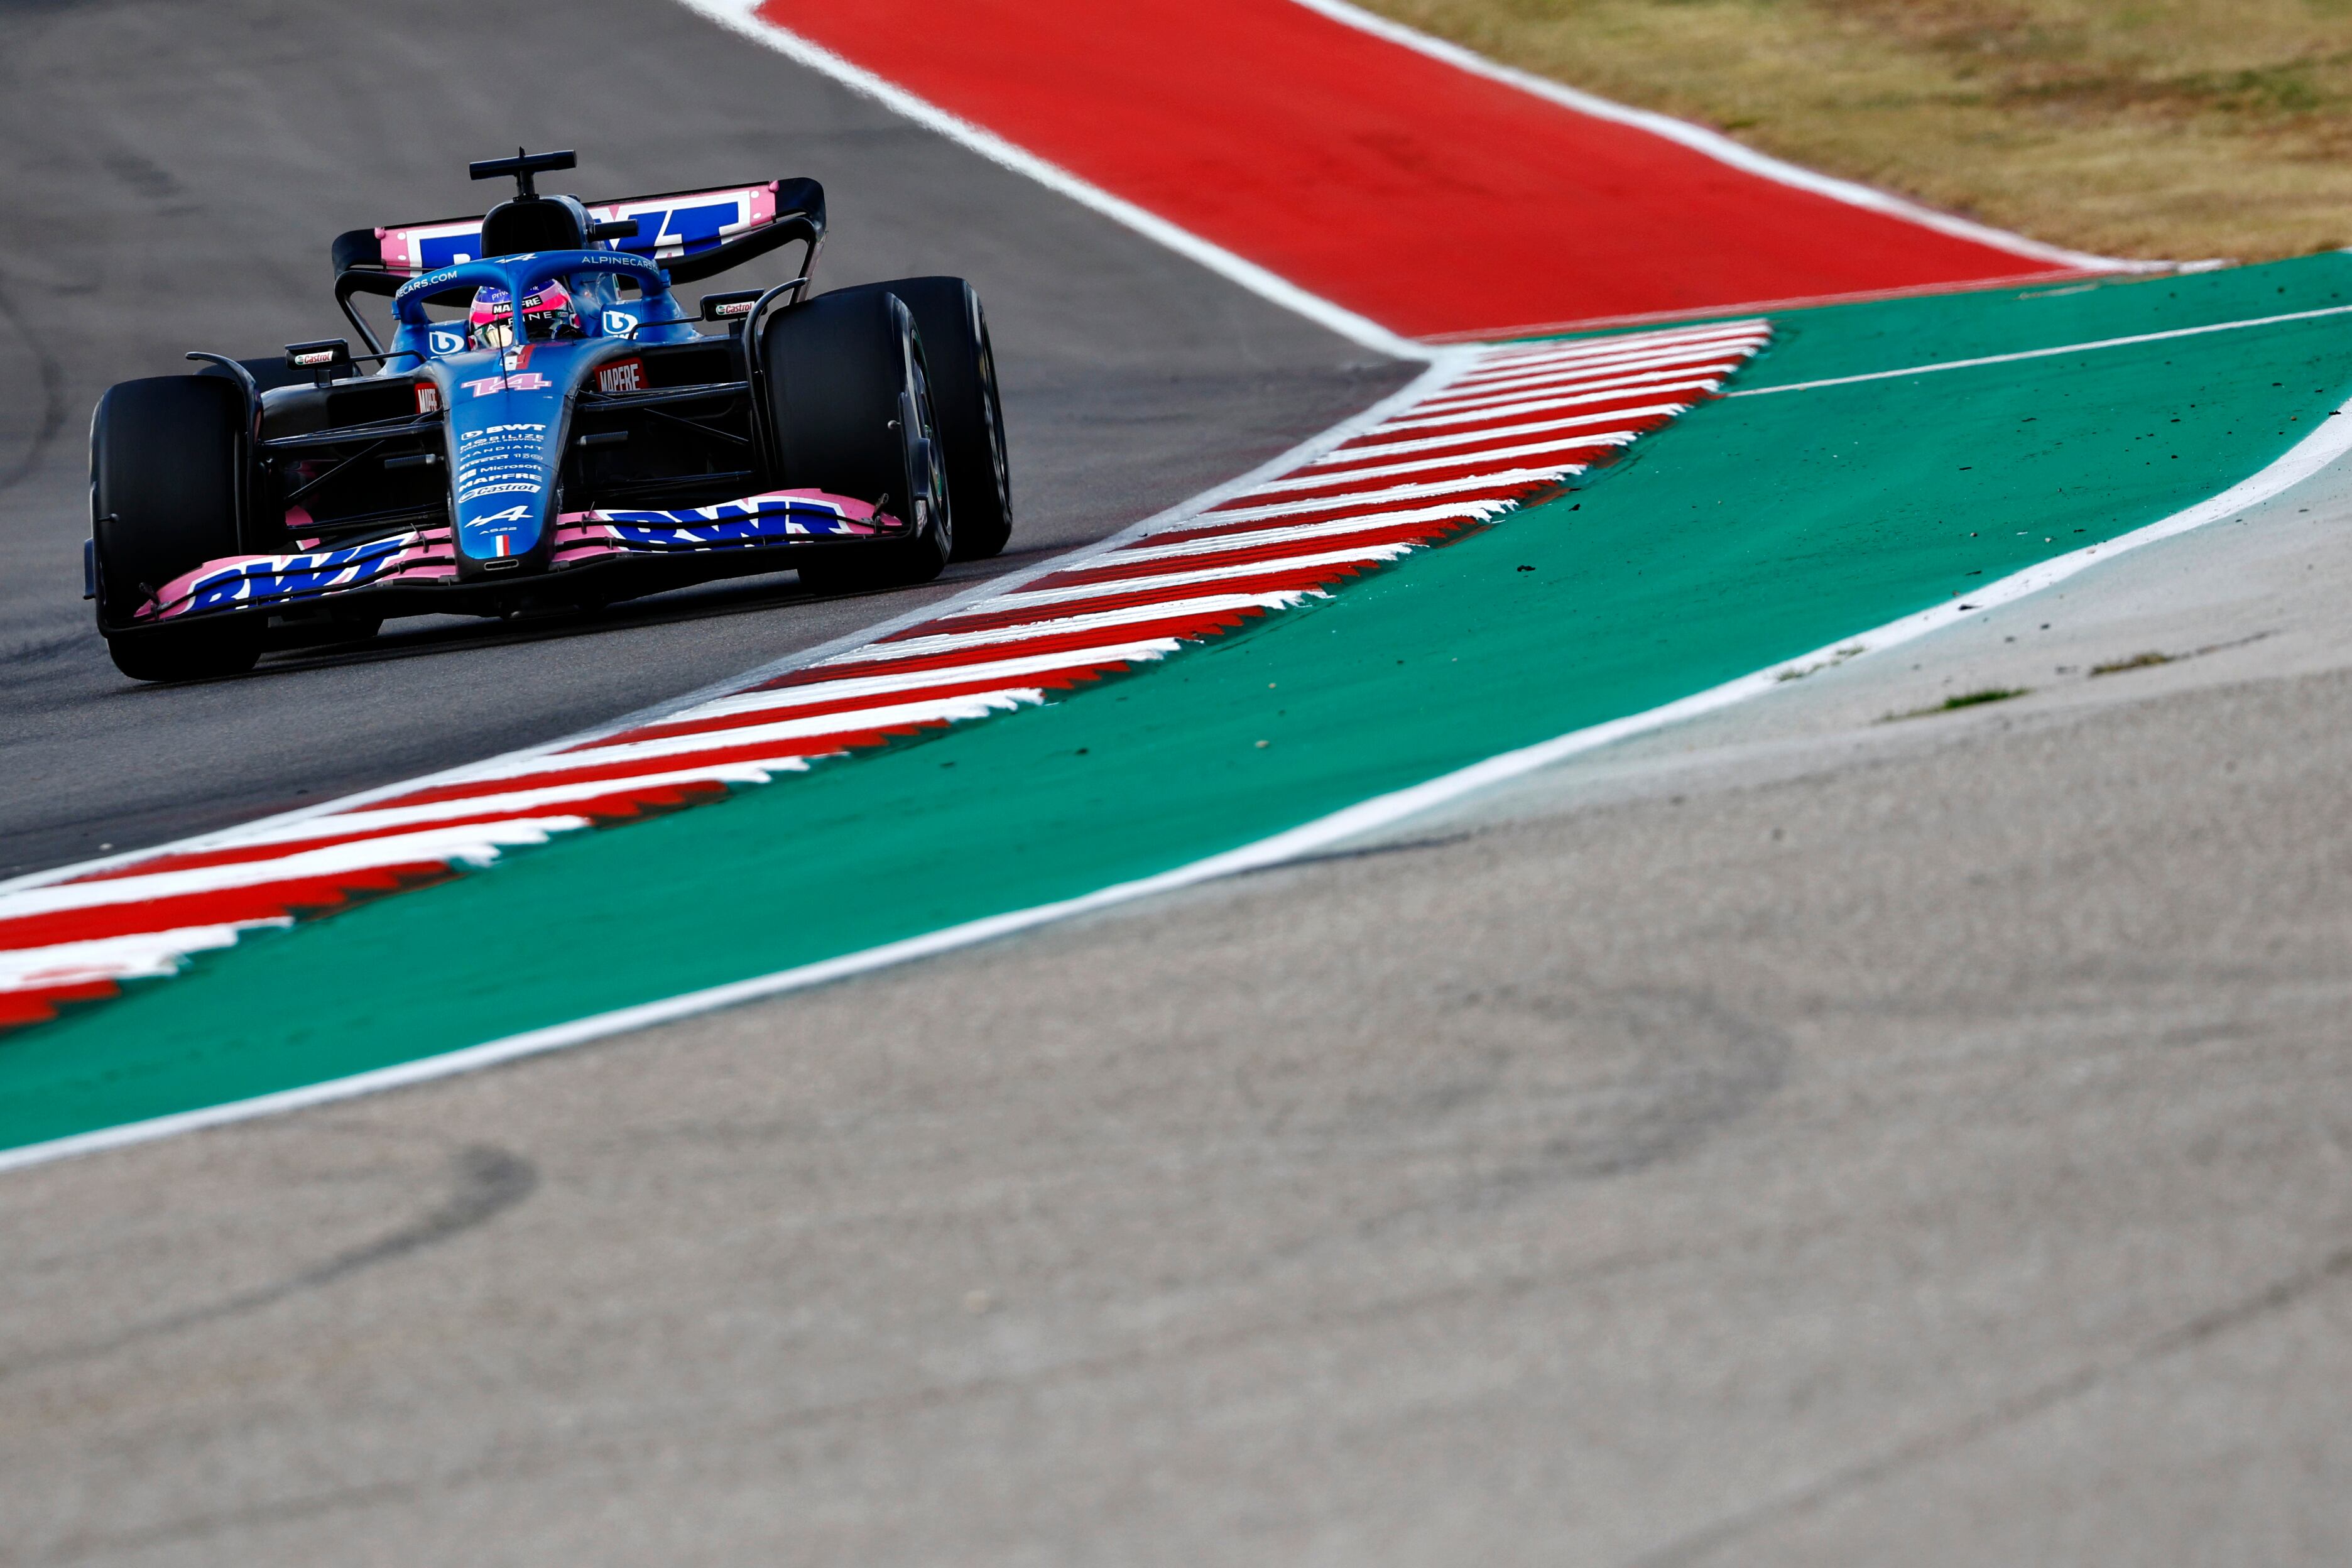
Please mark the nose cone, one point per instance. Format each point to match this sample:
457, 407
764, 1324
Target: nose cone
506, 451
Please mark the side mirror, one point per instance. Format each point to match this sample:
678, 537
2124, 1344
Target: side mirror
619, 228
324, 358
729, 306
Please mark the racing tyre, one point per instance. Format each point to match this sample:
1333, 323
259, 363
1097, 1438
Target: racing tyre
963, 371
164, 501
850, 411
337, 631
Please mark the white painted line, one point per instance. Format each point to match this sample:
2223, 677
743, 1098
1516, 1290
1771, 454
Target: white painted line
853, 687
150, 955
1497, 361
742, 17
490, 807
1714, 357
1367, 523
2047, 354
1449, 402
899, 716
1203, 604
1512, 359
1156, 581
1501, 480
1631, 377
1318, 480
1474, 442
1462, 418
2323, 446
474, 844
1723, 149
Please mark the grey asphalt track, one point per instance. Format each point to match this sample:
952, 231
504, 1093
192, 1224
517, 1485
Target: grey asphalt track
175, 173
1800, 1136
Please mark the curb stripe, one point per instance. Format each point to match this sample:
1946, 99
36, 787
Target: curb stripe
1256, 548
1646, 416
2325, 446
1513, 409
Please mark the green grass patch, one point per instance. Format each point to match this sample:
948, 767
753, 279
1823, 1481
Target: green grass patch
2137, 661
1965, 699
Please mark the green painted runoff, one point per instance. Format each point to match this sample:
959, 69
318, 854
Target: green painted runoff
1755, 530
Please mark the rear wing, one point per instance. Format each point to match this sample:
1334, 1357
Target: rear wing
692, 235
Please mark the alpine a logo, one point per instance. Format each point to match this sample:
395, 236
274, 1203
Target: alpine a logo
622, 375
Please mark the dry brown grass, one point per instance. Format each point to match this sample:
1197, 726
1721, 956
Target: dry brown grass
2151, 128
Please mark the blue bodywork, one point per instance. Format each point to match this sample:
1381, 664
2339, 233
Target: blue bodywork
508, 411
438, 483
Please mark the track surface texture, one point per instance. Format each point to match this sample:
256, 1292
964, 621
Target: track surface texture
1767, 526
1793, 1137
1796, 1138
176, 175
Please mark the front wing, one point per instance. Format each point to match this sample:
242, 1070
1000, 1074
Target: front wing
756, 533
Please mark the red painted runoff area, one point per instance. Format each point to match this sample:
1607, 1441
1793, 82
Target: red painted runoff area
1431, 200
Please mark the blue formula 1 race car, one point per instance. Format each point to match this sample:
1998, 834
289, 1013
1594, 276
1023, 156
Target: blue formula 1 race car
548, 430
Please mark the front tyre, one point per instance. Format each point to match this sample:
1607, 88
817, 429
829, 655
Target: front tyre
961, 366
163, 456
851, 410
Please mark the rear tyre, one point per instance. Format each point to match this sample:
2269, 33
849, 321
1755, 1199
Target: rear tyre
852, 414
164, 456
962, 370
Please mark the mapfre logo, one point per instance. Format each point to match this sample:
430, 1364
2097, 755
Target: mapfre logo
622, 375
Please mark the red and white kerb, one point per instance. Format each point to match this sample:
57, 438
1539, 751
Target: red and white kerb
1507, 427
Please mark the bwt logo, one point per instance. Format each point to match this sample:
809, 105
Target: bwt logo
293, 576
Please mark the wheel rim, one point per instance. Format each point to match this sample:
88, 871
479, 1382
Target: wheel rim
927, 480
992, 411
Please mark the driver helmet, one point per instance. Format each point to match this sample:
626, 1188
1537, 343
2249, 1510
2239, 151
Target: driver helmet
547, 314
